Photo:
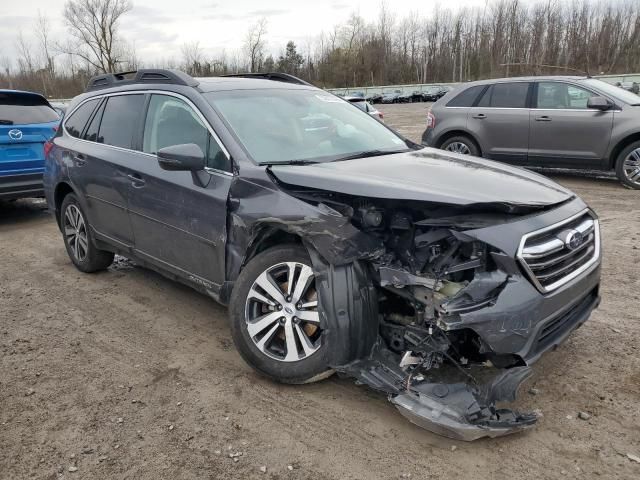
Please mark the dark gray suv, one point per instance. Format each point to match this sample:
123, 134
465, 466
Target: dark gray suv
568, 122
336, 243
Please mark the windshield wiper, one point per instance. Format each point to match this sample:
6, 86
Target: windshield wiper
6, 122
367, 153
292, 162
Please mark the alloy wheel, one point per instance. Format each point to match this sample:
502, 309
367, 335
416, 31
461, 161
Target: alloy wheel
281, 312
75, 232
458, 147
631, 166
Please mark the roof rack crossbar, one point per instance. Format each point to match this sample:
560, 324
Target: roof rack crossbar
276, 76
148, 75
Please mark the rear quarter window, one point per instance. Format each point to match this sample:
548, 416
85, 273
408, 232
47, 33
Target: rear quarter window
25, 109
467, 97
78, 119
506, 95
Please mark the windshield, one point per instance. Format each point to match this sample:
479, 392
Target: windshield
616, 92
285, 126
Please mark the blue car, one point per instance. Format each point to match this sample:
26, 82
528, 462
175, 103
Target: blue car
27, 122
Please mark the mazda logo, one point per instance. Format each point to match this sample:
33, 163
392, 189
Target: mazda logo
15, 134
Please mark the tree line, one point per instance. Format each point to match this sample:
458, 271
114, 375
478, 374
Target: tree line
503, 38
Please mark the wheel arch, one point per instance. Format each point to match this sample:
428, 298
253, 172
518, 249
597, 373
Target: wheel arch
268, 237
61, 191
621, 145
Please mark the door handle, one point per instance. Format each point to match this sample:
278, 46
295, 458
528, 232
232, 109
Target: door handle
543, 118
136, 180
480, 116
79, 160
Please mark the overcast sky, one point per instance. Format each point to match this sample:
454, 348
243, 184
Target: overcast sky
158, 28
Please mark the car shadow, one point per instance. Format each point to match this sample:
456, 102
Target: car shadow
22, 211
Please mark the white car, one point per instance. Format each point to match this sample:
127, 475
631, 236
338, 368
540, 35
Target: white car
365, 106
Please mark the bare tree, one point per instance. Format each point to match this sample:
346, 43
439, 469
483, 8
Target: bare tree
192, 58
26, 61
254, 44
93, 24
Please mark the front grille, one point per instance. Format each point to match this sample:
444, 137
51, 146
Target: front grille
557, 254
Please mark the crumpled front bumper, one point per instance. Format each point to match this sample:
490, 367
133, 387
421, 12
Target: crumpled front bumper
462, 412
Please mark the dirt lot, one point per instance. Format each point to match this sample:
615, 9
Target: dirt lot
124, 374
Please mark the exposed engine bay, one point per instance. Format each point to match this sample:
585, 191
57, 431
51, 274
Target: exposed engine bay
430, 276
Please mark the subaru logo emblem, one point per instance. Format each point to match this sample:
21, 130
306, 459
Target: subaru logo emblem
15, 134
574, 239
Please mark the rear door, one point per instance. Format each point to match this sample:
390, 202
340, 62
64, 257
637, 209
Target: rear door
27, 121
564, 132
179, 218
500, 121
99, 163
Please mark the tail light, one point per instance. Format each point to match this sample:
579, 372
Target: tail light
47, 147
380, 115
431, 120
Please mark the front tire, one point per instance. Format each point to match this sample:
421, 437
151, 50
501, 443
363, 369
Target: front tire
275, 322
462, 145
628, 166
76, 232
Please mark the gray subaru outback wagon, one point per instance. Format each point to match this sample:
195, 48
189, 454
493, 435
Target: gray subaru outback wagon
337, 244
567, 122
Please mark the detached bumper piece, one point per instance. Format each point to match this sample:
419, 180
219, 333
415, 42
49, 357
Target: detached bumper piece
461, 410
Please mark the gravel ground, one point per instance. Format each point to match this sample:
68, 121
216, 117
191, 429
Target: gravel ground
124, 374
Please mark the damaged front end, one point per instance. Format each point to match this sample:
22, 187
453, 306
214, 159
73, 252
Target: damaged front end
436, 340
423, 300
439, 377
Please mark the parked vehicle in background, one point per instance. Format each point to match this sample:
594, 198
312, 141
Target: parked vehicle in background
433, 94
374, 98
568, 122
365, 106
405, 97
633, 87
27, 121
416, 96
344, 247
391, 97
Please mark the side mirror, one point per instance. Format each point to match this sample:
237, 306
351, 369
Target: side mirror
184, 157
598, 103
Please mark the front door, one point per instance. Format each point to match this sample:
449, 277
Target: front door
564, 132
179, 218
500, 122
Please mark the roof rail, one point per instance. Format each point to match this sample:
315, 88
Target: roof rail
277, 76
147, 75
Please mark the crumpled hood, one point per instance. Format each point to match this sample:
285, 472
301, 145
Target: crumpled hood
429, 175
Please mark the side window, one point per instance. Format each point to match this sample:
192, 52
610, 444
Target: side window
506, 95
171, 121
92, 130
120, 120
76, 122
557, 95
466, 98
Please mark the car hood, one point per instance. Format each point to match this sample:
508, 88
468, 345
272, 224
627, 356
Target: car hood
429, 175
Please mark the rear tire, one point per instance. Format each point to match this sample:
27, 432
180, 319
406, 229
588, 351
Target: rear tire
76, 232
461, 144
275, 322
628, 166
